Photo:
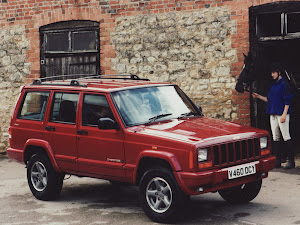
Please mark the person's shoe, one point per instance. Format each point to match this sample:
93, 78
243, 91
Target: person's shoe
290, 165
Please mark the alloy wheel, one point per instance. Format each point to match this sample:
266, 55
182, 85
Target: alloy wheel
159, 195
39, 177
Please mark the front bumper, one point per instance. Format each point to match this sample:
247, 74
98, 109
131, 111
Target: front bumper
217, 179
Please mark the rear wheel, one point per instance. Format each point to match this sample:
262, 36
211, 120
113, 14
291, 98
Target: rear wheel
160, 195
44, 182
241, 193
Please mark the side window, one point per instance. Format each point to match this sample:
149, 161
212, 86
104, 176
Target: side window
95, 107
64, 108
33, 106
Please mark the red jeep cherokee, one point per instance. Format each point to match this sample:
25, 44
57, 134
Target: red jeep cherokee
132, 130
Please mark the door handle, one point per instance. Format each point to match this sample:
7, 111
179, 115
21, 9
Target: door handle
50, 128
82, 132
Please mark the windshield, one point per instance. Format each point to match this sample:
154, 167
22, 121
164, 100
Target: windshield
146, 105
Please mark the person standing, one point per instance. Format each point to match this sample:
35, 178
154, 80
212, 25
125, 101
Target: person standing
278, 107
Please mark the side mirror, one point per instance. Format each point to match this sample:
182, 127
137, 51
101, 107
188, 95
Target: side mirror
107, 124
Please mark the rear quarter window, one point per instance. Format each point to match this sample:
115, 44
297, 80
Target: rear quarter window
33, 106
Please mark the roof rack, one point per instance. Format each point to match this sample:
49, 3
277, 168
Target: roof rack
123, 76
75, 82
72, 83
62, 77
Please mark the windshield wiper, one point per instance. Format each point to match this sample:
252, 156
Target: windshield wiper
188, 114
152, 119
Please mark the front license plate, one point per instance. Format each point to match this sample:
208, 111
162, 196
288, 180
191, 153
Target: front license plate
241, 170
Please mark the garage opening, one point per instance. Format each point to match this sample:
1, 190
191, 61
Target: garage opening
275, 37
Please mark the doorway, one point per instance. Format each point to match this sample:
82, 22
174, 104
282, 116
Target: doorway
70, 49
275, 37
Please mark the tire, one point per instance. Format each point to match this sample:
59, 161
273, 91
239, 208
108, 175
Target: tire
241, 193
160, 196
44, 183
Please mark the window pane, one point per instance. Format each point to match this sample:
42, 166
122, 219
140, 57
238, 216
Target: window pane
34, 106
95, 107
269, 25
57, 41
84, 40
64, 108
293, 22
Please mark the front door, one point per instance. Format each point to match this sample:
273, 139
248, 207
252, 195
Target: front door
100, 152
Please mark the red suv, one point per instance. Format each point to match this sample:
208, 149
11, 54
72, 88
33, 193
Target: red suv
136, 131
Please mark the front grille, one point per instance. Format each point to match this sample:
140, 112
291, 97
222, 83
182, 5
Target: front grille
231, 153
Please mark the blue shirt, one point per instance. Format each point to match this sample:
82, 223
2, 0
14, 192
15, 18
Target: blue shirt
279, 95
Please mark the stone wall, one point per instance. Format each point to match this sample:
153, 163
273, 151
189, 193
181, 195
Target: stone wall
13, 72
192, 49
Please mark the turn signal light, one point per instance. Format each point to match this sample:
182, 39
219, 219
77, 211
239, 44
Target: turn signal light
9, 136
205, 165
265, 152
191, 162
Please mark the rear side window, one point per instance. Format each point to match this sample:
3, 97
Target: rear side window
64, 108
95, 107
33, 106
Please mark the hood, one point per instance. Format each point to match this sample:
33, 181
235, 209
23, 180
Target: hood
198, 129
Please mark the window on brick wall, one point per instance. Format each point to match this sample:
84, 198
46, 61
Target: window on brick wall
292, 23
278, 25
70, 49
269, 25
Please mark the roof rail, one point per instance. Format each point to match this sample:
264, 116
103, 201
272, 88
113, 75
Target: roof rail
62, 77
123, 76
72, 83
75, 82
84, 76
37, 82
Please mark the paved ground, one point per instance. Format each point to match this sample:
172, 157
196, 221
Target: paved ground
92, 201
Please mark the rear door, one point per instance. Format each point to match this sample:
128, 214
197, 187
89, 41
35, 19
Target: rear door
100, 152
61, 129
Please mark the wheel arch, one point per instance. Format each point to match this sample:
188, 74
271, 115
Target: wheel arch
150, 159
34, 146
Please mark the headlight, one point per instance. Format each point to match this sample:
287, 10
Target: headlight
202, 155
263, 142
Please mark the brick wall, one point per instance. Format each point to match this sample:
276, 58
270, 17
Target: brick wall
32, 14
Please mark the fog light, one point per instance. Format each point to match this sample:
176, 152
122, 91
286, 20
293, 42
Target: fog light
264, 174
200, 189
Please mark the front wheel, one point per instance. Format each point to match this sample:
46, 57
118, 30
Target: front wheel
44, 182
241, 193
160, 195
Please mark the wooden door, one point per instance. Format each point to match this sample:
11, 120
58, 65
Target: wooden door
70, 50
